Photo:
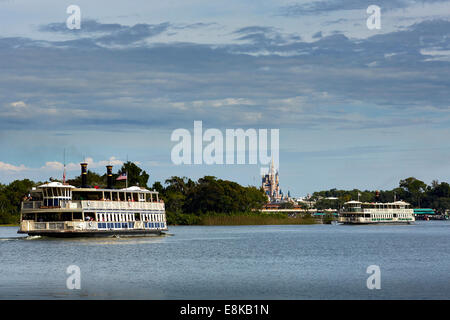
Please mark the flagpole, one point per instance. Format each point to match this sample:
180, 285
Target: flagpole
64, 172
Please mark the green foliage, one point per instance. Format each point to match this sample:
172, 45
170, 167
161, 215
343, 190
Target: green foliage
414, 189
136, 176
157, 186
11, 197
186, 201
93, 179
222, 196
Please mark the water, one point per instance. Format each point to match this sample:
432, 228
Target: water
242, 262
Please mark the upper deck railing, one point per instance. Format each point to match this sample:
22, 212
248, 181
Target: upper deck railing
96, 205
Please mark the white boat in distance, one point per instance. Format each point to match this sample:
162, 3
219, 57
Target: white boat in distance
355, 212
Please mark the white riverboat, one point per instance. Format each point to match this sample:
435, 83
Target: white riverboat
61, 210
355, 212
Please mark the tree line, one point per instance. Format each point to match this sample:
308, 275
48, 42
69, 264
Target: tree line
187, 201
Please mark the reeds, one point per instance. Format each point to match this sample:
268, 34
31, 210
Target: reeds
262, 219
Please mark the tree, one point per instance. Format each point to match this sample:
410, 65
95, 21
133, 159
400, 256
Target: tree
158, 187
93, 179
136, 176
11, 197
414, 189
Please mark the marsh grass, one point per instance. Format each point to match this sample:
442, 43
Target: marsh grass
254, 219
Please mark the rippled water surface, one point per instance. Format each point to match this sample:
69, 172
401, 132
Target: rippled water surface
242, 262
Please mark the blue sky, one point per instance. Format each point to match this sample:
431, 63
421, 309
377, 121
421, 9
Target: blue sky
355, 107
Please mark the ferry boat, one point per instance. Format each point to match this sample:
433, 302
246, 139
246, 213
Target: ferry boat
355, 212
61, 210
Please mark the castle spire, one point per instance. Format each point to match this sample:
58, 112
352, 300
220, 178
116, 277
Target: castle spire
272, 171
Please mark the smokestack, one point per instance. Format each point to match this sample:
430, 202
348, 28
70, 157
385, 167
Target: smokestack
84, 175
109, 176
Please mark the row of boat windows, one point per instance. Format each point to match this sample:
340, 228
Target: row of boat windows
56, 194
129, 225
387, 215
129, 217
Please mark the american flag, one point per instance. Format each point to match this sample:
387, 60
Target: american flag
123, 176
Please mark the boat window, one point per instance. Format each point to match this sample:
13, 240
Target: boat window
94, 195
28, 216
77, 216
66, 216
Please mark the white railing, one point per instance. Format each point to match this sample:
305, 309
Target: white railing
31, 204
121, 205
46, 226
388, 211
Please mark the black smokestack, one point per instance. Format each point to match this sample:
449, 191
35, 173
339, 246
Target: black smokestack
84, 175
109, 176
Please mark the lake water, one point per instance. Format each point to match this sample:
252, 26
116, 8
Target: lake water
242, 262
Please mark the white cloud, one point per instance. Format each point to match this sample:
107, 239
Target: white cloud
52, 168
112, 161
6, 167
18, 104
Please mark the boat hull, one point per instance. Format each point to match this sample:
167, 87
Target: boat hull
95, 233
377, 223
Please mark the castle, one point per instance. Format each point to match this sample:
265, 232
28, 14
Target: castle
271, 185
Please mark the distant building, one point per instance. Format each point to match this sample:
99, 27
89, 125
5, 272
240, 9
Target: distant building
271, 185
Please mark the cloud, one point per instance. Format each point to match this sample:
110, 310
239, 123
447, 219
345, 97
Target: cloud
6, 167
55, 168
112, 161
317, 35
110, 34
327, 6
18, 104
269, 76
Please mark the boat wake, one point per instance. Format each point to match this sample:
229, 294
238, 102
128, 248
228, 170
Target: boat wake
13, 238
32, 237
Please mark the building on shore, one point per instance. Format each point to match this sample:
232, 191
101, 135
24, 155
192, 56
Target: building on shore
271, 186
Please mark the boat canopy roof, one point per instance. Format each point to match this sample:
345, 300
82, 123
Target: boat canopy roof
399, 203
56, 185
134, 189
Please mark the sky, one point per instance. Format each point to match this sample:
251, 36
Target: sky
355, 107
